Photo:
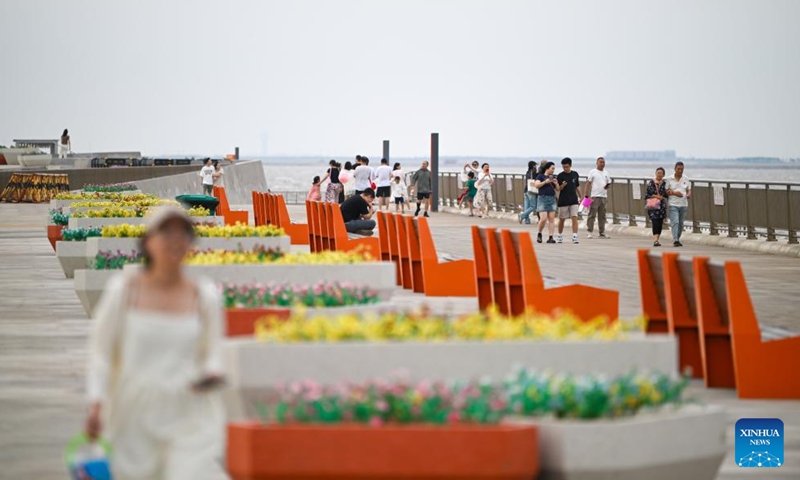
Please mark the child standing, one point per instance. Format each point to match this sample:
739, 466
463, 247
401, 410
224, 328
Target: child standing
314, 195
471, 192
399, 194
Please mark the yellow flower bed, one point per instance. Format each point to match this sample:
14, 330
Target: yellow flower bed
259, 257
104, 196
109, 212
410, 327
147, 202
239, 230
226, 231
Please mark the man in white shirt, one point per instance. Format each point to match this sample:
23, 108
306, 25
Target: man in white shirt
597, 184
207, 177
363, 175
383, 180
679, 190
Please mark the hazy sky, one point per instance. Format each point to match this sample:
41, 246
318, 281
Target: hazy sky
517, 78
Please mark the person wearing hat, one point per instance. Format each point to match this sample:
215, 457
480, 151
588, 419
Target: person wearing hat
155, 362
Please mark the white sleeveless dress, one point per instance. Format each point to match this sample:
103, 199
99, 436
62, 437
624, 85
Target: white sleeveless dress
158, 427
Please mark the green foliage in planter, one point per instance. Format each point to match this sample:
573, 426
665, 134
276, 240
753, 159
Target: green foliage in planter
321, 294
107, 260
110, 187
80, 234
377, 403
57, 217
532, 393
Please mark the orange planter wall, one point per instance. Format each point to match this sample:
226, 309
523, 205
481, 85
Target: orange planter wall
241, 321
338, 452
54, 234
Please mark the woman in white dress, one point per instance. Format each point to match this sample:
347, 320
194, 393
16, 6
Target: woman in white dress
155, 363
64, 145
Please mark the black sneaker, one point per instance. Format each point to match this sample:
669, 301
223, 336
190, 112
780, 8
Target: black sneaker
550, 240
677, 244
656, 244
539, 238
426, 215
416, 213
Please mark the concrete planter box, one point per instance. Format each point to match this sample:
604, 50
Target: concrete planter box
99, 244
12, 154
35, 160
241, 322
101, 222
361, 452
453, 360
378, 275
688, 442
89, 285
72, 256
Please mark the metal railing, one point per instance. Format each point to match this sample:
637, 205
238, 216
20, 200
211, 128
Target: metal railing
746, 209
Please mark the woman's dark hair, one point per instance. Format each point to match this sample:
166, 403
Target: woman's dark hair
66, 132
147, 260
396, 166
348, 165
545, 167
215, 163
332, 163
484, 166
316, 180
662, 170
531, 165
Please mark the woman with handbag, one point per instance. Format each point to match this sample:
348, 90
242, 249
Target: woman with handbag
155, 363
656, 203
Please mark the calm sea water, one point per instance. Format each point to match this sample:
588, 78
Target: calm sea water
296, 174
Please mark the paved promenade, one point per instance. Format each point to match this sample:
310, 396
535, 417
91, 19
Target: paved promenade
43, 331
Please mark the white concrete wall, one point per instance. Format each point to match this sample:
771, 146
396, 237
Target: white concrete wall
239, 180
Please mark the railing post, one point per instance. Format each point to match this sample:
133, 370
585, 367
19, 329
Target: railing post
712, 227
435, 171
770, 230
792, 233
731, 227
751, 233
631, 216
695, 222
614, 215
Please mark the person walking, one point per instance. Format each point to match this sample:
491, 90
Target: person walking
207, 177
383, 180
484, 184
334, 185
314, 194
568, 199
421, 180
529, 194
155, 362
679, 190
363, 175
218, 173
357, 213
348, 181
399, 195
471, 193
64, 145
597, 184
656, 204
547, 183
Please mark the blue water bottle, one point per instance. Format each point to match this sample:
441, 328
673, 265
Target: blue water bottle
87, 459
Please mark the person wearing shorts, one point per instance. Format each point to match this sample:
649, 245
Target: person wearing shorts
546, 203
421, 180
383, 180
568, 199
399, 194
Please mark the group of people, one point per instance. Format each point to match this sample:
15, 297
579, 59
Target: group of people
547, 193
210, 175
357, 186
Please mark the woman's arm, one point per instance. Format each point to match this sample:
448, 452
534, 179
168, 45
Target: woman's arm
103, 342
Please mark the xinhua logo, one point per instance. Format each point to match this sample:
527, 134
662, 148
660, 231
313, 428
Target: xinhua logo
759, 442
